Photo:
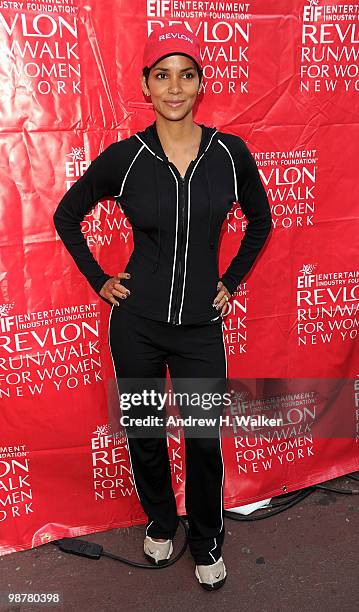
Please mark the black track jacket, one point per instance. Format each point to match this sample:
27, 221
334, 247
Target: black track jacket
176, 221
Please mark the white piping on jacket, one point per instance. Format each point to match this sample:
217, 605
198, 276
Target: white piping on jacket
175, 250
188, 220
177, 213
233, 167
147, 147
129, 168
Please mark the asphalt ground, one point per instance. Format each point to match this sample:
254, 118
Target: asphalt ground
303, 559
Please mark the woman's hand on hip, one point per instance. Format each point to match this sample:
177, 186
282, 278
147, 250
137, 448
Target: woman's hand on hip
222, 296
113, 288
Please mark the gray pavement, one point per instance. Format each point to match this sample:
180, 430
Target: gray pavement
303, 559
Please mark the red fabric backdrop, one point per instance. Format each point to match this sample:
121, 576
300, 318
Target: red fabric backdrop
283, 76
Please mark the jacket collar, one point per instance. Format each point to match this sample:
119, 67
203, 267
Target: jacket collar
150, 138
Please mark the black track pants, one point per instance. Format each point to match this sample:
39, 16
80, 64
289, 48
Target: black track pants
142, 347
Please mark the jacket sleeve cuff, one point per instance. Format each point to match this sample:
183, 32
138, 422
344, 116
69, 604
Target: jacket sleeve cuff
231, 285
98, 283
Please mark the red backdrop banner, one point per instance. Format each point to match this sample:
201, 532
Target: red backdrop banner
283, 76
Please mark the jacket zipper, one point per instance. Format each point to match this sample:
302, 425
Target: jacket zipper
175, 318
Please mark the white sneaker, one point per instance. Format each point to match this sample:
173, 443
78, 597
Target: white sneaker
211, 576
157, 552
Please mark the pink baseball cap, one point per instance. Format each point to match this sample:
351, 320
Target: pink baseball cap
170, 40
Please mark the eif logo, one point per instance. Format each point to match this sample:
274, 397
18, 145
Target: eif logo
6, 323
307, 279
312, 12
75, 168
158, 8
104, 437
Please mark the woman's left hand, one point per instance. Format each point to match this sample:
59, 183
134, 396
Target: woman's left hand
222, 296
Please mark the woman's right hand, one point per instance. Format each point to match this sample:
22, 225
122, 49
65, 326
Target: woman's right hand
112, 287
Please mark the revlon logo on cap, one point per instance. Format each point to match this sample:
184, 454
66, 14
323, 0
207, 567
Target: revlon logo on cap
175, 35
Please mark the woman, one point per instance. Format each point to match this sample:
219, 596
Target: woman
176, 181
